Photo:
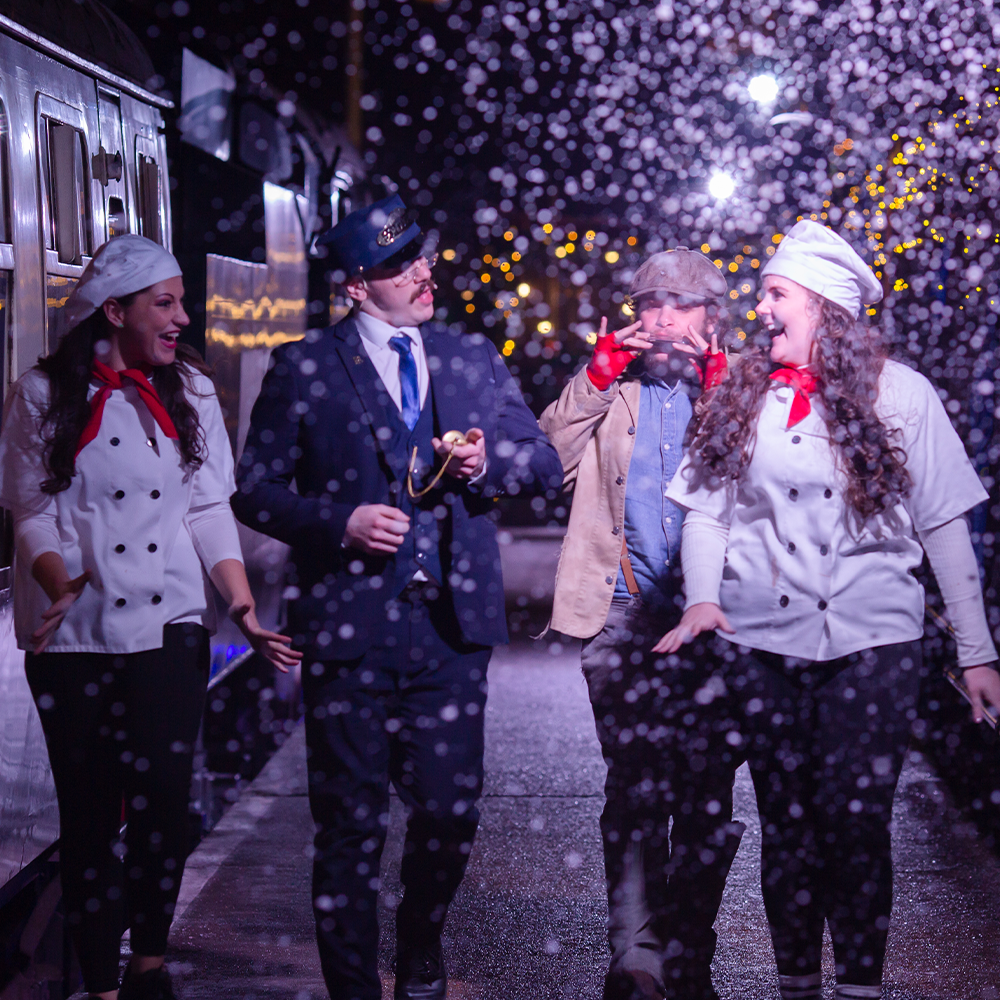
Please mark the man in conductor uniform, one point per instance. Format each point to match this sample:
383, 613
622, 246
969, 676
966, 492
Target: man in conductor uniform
397, 575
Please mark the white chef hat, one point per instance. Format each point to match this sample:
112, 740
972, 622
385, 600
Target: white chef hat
123, 265
818, 259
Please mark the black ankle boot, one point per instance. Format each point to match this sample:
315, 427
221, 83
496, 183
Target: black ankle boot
152, 985
420, 972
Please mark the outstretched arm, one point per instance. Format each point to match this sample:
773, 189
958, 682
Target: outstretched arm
949, 549
703, 556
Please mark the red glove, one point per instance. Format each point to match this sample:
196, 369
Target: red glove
608, 361
716, 367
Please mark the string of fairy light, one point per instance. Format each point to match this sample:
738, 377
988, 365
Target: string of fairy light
907, 176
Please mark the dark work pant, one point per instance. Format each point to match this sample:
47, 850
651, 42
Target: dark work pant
667, 824
121, 729
826, 743
411, 711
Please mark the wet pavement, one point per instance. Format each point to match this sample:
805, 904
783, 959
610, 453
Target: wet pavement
528, 921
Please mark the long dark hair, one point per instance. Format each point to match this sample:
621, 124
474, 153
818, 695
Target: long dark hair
848, 362
68, 369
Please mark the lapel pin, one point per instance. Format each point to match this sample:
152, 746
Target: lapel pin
358, 360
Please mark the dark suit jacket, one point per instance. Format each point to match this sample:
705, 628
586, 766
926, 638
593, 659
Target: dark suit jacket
320, 423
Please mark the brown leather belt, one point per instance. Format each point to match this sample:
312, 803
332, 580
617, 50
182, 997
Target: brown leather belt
633, 587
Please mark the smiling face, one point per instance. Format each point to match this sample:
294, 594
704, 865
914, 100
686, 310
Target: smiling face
400, 298
143, 333
787, 311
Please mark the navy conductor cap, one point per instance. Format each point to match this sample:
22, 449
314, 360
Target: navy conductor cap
376, 236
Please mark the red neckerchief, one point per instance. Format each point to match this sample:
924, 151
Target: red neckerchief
111, 380
804, 384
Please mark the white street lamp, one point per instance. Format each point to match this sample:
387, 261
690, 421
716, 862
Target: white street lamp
721, 185
763, 88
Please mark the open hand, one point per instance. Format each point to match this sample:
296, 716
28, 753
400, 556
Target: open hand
275, 647
698, 618
694, 343
375, 528
613, 352
466, 461
53, 616
983, 684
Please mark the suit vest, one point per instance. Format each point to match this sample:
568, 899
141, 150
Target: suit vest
421, 547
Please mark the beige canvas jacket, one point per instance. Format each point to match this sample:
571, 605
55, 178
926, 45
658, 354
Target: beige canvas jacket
594, 433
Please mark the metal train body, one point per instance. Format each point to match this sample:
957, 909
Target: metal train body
83, 157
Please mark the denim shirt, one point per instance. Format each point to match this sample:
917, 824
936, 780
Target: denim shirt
652, 522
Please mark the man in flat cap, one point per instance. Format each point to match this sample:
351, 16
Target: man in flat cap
399, 598
619, 429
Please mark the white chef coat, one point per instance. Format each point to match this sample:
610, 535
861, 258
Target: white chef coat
133, 515
799, 578
375, 337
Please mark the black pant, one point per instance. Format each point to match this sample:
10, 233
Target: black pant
826, 743
120, 731
411, 711
667, 824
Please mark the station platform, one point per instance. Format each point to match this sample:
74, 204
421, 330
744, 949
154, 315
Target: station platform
528, 922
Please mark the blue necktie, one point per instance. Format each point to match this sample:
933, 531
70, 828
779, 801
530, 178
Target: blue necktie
409, 387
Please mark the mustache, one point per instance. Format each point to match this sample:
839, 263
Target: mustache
424, 286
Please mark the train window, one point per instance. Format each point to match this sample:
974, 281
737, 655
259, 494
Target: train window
6, 521
57, 291
69, 204
4, 178
149, 197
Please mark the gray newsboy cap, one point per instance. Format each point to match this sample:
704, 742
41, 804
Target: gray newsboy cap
681, 271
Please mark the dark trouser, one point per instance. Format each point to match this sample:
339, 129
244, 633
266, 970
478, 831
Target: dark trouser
663, 728
411, 711
826, 743
122, 728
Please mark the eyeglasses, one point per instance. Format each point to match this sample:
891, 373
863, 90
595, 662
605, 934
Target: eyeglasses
410, 274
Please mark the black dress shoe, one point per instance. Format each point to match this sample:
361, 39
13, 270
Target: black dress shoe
152, 985
420, 973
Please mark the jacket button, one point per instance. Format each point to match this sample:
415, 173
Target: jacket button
821, 605
823, 550
784, 601
151, 547
828, 493
156, 599
155, 494
115, 442
119, 547
796, 439
793, 494
631, 430
120, 603
620, 480
608, 579
615, 530
791, 546
119, 494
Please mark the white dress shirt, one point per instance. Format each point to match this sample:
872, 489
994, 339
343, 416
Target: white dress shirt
142, 523
799, 579
375, 337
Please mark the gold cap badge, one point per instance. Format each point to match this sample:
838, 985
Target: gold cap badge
394, 227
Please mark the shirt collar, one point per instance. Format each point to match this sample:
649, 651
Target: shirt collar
378, 333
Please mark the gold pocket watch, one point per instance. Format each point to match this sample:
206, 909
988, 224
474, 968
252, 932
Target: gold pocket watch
455, 439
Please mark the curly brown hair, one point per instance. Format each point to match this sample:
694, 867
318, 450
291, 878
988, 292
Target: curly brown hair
848, 361
68, 369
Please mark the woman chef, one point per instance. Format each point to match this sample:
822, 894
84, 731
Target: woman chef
116, 465
817, 477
